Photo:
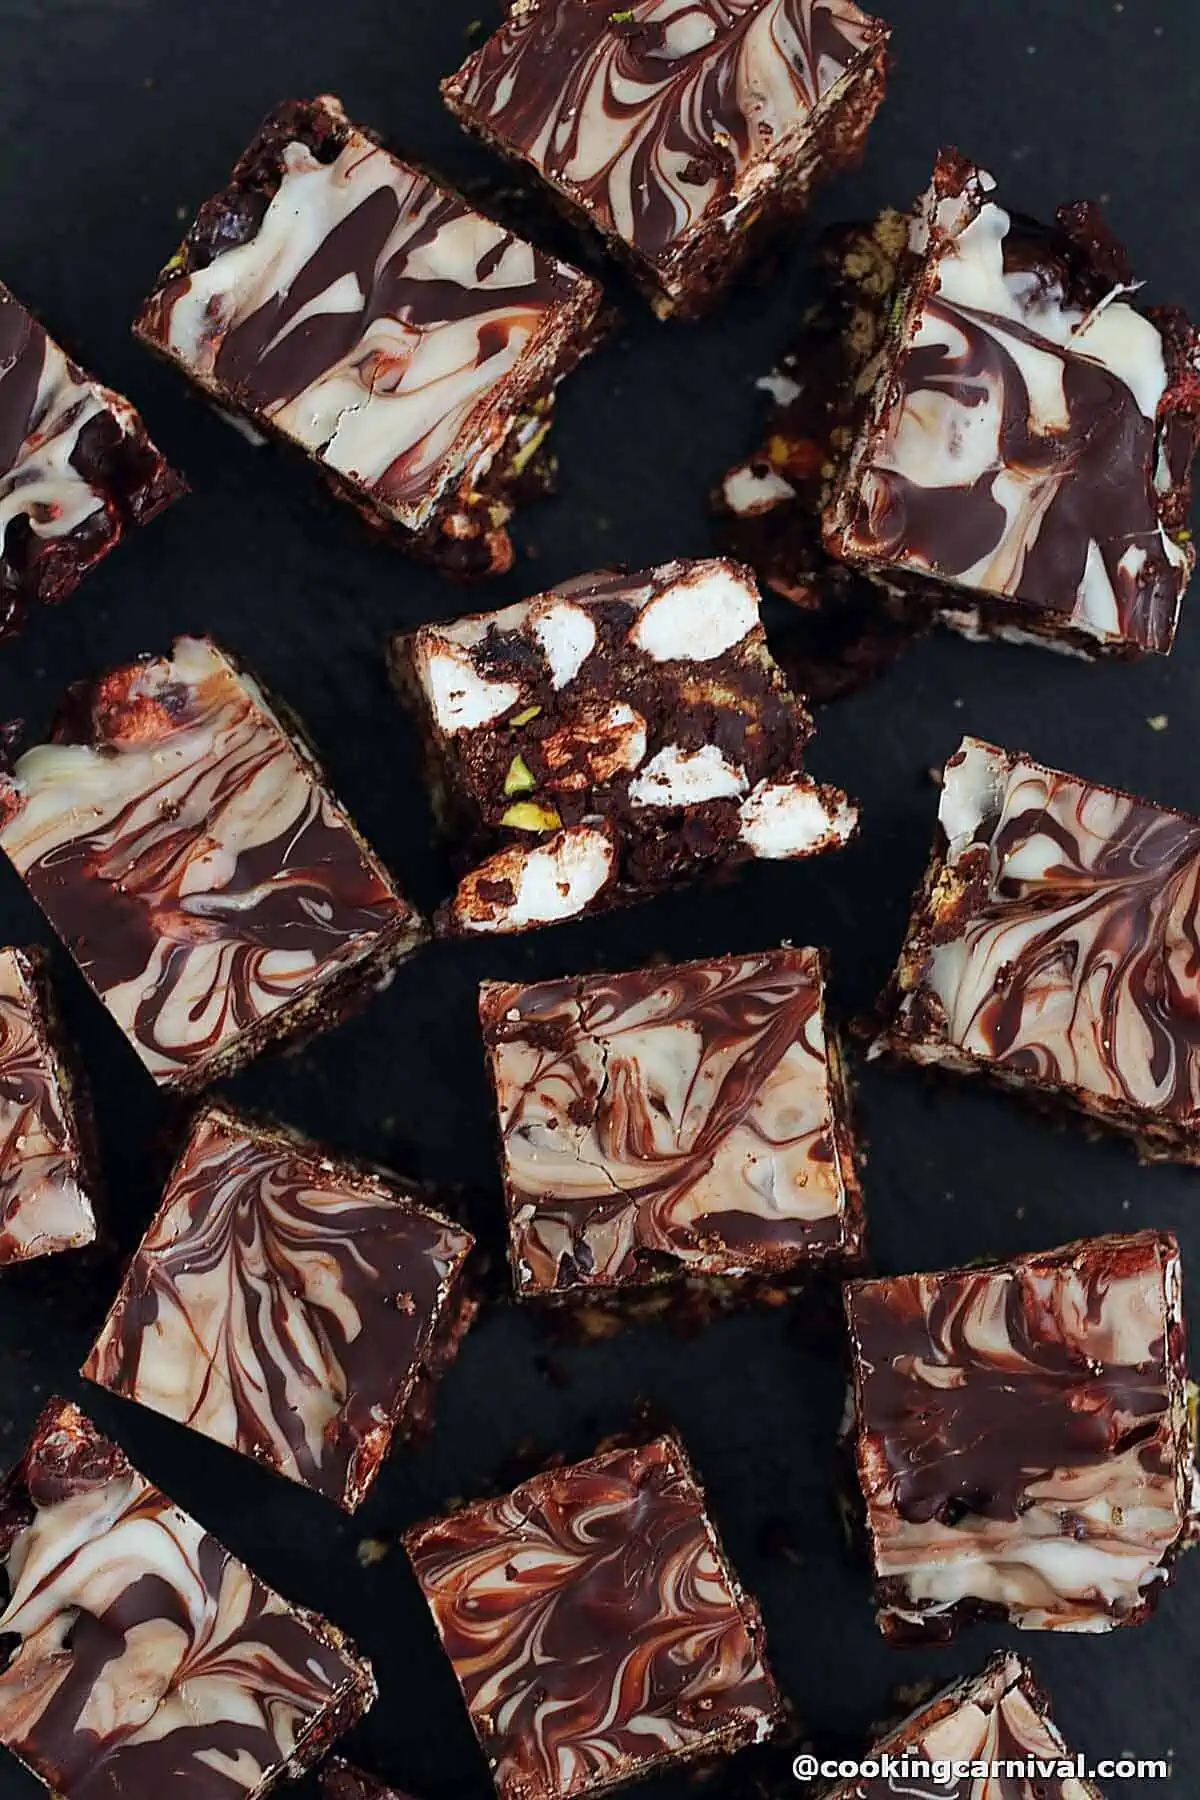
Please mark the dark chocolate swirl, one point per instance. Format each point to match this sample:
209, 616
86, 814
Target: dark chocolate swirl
593, 1625
283, 1304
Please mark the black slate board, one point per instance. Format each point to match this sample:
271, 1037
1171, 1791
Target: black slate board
116, 118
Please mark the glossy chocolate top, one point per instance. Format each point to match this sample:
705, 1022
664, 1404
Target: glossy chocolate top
184, 849
669, 1118
75, 463
998, 1717
366, 312
1030, 439
1022, 1431
1060, 939
617, 732
141, 1656
281, 1303
593, 1625
44, 1200
663, 116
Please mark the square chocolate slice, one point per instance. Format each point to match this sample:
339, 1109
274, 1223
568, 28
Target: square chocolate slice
1026, 448
295, 1307
1022, 1438
672, 1121
1051, 949
139, 1655
610, 739
595, 1626
180, 839
995, 1728
46, 1166
684, 136
77, 469
346, 302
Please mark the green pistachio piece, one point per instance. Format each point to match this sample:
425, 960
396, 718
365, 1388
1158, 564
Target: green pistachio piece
527, 815
519, 779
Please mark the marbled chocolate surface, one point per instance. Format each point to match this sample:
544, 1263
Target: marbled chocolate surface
1021, 443
141, 1657
367, 313
1022, 1436
186, 852
593, 1625
660, 118
282, 1304
682, 1117
1057, 945
45, 1204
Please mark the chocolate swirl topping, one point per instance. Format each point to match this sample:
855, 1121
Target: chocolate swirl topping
1032, 436
999, 1717
1022, 1435
364, 312
44, 1201
1056, 944
286, 1305
140, 1653
594, 1626
660, 119
76, 468
682, 1118
185, 851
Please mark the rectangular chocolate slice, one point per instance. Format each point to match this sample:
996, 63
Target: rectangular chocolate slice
291, 1305
684, 136
180, 839
77, 469
595, 1626
139, 1655
610, 739
989, 1725
687, 1121
1022, 1438
47, 1177
1051, 948
1028, 431
346, 302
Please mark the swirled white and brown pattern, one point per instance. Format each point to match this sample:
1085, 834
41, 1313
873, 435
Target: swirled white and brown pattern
1029, 440
284, 1304
76, 468
595, 1628
140, 1653
660, 118
686, 1117
982, 1724
365, 312
185, 850
45, 1204
1023, 1442
1058, 946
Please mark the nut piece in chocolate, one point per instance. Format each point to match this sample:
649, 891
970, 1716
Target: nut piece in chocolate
179, 838
1022, 1438
47, 1176
349, 304
996, 1718
1051, 949
684, 136
77, 469
672, 1121
142, 1658
1024, 456
291, 1306
595, 1626
610, 739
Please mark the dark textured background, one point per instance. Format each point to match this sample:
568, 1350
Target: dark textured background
116, 119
